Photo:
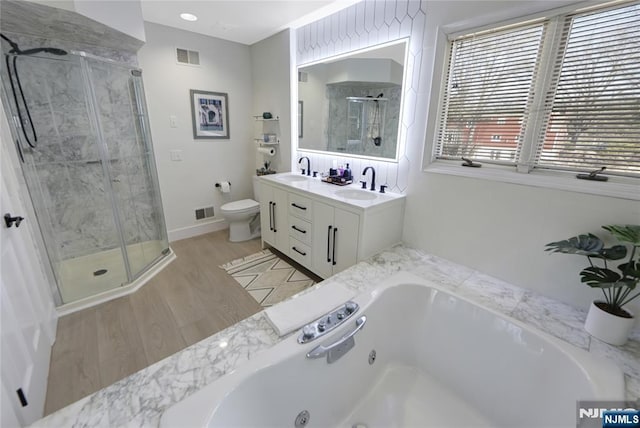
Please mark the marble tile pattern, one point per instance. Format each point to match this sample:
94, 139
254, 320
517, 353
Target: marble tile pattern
48, 22
338, 125
369, 23
66, 168
140, 399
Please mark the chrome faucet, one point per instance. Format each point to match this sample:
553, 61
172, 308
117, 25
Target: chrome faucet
308, 165
373, 176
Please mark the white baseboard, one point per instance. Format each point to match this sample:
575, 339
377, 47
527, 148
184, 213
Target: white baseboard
199, 229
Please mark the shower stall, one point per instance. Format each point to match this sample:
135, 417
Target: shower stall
81, 130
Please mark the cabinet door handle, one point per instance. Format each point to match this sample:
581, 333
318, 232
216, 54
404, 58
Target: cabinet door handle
335, 231
298, 251
298, 230
300, 207
329, 244
273, 207
270, 216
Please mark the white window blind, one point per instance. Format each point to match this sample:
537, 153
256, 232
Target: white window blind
488, 90
593, 113
562, 94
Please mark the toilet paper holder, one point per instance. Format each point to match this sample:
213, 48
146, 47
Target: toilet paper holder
218, 184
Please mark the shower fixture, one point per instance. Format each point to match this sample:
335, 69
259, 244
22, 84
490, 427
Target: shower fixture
16, 52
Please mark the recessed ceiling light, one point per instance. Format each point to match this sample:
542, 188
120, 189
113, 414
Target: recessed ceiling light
188, 17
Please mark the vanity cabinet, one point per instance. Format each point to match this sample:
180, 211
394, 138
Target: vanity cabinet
310, 222
335, 239
273, 216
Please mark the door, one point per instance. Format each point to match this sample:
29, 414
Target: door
345, 236
321, 248
335, 239
27, 312
274, 217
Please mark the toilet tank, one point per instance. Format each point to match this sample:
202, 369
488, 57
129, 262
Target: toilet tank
256, 188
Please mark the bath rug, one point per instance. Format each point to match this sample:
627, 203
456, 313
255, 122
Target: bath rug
267, 278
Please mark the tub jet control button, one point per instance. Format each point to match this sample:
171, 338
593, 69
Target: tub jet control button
327, 322
308, 331
350, 307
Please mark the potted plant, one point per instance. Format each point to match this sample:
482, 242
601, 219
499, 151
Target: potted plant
607, 320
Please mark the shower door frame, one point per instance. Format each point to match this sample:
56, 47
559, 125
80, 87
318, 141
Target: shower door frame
96, 124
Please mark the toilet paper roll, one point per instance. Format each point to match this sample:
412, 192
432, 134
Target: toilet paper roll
225, 186
267, 151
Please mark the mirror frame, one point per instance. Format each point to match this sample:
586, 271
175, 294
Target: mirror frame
401, 135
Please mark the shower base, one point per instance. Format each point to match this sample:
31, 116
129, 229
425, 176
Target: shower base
98, 275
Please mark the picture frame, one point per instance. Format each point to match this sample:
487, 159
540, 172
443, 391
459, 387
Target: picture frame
209, 114
300, 117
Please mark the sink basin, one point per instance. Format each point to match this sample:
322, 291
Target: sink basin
292, 178
360, 195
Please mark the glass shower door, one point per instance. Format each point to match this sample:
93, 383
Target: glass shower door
121, 113
65, 175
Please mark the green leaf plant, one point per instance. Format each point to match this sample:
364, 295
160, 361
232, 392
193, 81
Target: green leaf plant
617, 286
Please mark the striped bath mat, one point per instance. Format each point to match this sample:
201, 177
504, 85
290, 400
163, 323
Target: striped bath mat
268, 278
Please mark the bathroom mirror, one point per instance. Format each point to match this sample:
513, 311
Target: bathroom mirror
353, 103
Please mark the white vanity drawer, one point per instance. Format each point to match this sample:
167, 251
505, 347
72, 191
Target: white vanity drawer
300, 252
300, 229
300, 206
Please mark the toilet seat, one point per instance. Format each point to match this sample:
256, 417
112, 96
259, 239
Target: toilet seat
242, 205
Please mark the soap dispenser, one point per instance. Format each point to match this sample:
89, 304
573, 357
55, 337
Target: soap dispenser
347, 173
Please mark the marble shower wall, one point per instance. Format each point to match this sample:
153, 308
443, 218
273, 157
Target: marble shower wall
65, 174
365, 24
337, 129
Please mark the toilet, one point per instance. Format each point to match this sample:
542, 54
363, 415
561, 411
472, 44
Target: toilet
243, 216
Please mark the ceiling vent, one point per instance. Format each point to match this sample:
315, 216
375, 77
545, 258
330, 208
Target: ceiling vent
185, 56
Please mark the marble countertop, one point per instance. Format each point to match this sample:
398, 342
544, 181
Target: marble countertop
333, 192
140, 399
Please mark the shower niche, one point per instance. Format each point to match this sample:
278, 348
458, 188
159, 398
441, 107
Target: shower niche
82, 133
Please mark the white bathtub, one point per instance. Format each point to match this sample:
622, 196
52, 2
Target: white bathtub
441, 361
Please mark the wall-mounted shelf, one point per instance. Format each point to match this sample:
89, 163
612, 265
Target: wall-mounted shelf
266, 143
271, 130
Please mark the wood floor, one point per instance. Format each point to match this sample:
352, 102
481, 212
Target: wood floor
189, 300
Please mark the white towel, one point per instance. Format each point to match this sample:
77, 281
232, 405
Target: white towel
287, 316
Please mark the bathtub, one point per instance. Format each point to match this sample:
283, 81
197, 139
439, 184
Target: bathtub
440, 361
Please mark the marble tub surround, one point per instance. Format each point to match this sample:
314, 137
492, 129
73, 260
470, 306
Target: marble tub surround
140, 399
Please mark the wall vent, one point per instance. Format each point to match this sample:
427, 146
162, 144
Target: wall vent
185, 56
302, 76
202, 213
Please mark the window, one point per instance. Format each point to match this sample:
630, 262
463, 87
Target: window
561, 93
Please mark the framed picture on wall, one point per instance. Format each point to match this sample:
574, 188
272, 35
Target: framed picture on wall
209, 114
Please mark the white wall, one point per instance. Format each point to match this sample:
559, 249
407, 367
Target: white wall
497, 228
189, 184
270, 69
125, 17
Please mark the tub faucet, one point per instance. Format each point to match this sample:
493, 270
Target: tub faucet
308, 165
373, 176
